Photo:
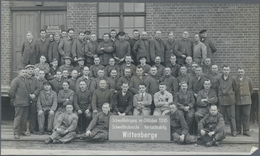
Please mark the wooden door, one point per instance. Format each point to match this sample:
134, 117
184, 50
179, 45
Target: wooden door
22, 22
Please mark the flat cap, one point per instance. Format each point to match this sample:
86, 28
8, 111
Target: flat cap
46, 83
121, 33
29, 66
202, 31
67, 57
80, 58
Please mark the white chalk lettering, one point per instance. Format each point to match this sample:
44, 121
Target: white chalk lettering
125, 127
155, 127
127, 134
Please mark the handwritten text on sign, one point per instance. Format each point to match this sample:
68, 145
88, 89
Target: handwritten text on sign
139, 128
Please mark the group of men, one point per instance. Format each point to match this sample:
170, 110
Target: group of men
78, 83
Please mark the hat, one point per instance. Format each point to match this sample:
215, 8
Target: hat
80, 58
54, 59
121, 33
28, 66
46, 83
202, 31
67, 57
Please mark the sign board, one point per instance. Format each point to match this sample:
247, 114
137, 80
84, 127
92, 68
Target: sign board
139, 128
53, 28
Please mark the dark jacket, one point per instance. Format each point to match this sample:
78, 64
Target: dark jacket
42, 48
54, 51
152, 84
123, 104
77, 47
169, 50
243, 91
121, 48
90, 49
106, 53
101, 96
212, 123
142, 49
211, 96
82, 100
29, 53
183, 47
157, 49
181, 100
101, 121
178, 123
210, 47
226, 91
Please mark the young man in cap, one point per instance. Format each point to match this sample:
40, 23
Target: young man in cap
65, 46
142, 101
43, 65
169, 48
28, 51
77, 47
67, 65
32, 85
98, 127
183, 48
87, 36
46, 106
146, 68
179, 128
121, 48
63, 34
53, 51
64, 130
243, 92
80, 66
19, 95
212, 127
162, 100
208, 43
226, 95
157, 47
90, 50
105, 50
42, 46
199, 50
123, 101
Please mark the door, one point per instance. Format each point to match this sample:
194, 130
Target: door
34, 21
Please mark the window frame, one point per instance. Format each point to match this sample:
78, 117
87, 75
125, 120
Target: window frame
121, 14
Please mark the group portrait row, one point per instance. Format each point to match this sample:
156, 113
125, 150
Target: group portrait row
76, 82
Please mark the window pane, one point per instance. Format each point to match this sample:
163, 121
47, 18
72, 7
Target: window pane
114, 21
139, 7
128, 7
102, 31
103, 7
139, 21
114, 7
129, 31
103, 22
129, 21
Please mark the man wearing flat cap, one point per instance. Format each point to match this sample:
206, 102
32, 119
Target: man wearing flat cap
80, 67
208, 43
67, 65
121, 48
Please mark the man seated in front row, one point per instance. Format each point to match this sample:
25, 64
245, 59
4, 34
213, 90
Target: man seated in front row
211, 127
162, 100
64, 130
179, 127
98, 127
142, 101
46, 105
123, 101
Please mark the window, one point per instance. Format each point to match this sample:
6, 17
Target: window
121, 17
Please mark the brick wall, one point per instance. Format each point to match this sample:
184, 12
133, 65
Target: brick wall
234, 28
82, 16
6, 34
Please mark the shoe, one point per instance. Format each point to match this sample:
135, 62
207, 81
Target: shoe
33, 132
49, 133
56, 141
246, 134
234, 134
23, 134
210, 143
47, 141
217, 143
16, 136
41, 133
238, 132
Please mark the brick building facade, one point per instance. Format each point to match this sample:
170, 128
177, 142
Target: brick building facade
234, 28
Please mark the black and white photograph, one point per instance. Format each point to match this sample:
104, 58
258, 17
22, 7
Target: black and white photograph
129, 78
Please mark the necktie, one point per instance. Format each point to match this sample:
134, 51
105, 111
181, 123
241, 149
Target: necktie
142, 97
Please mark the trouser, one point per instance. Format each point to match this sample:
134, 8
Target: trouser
200, 113
219, 136
187, 139
229, 110
32, 116
98, 134
144, 112
20, 119
63, 137
159, 111
59, 111
189, 117
41, 121
84, 120
243, 116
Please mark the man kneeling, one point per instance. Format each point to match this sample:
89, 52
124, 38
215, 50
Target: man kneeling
212, 127
98, 127
179, 127
64, 130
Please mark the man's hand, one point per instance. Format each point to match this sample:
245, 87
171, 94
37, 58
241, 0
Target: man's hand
196, 95
95, 111
183, 56
40, 112
51, 112
79, 111
118, 113
211, 133
86, 111
186, 108
88, 133
66, 131
58, 130
204, 100
182, 138
32, 96
123, 114
117, 59
102, 48
202, 132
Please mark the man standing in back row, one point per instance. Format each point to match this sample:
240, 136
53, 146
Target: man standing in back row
183, 48
208, 43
